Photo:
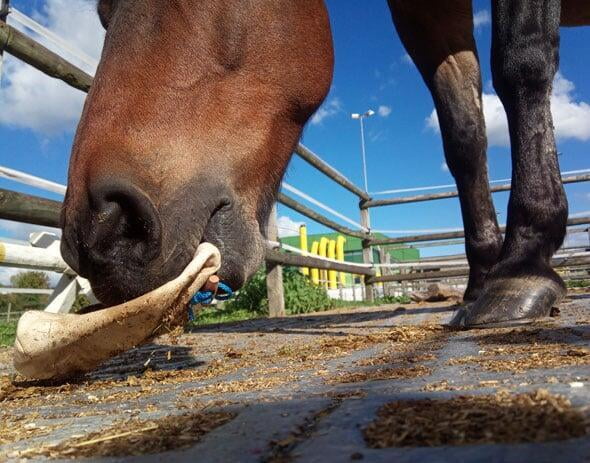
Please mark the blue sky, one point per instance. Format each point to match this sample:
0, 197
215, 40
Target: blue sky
372, 71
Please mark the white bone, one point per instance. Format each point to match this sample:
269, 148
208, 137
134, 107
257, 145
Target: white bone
50, 345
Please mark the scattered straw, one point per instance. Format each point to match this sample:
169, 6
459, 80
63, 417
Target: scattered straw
500, 418
141, 438
518, 350
382, 374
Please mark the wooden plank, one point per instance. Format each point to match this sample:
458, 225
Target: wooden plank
464, 271
31, 209
435, 275
454, 194
303, 210
367, 255
457, 234
307, 155
274, 273
26, 49
296, 260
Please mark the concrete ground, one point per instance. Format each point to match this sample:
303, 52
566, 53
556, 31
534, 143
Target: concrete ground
307, 388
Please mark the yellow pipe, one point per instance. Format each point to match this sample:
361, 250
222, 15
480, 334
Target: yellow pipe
303, 245
340, 256
324, 253
315, 273
332, 282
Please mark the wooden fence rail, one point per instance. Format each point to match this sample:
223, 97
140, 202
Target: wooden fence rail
307, 155
306, 211
464, 271
314, 262
31, 209
31, 52
454, 194
455, 234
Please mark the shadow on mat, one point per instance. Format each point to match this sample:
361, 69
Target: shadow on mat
313, 324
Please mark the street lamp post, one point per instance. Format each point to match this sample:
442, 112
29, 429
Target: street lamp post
360, 117
365, 219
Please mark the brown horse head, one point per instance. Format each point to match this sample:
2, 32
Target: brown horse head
187, 130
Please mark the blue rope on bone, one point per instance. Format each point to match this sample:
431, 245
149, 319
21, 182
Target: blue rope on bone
207, 297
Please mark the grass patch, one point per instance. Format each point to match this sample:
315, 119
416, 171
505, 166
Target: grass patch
577, 283
213, 316
376, 302
7, 333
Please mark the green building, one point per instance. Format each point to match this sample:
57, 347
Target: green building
353, 249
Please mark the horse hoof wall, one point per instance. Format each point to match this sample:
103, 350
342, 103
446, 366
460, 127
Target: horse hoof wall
516, 301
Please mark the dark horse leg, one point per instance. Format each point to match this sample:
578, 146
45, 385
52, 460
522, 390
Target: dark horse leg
522, 286
438, 35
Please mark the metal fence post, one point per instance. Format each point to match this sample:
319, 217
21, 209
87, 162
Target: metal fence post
367, 252
274, 273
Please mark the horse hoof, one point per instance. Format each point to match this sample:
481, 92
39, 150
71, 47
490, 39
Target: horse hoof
512, 301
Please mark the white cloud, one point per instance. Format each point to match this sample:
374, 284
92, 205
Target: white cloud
6, 273
481, 18
571, 118
444, 167
576, 240
406, 58
287, 226
384, 110
21, 231
28, 98
329, 109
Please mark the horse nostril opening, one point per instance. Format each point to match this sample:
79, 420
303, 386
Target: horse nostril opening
124, 224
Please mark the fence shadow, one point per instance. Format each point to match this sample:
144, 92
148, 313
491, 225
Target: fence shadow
578, 335
316, 324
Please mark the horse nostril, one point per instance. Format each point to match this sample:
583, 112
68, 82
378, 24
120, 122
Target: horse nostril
124, 224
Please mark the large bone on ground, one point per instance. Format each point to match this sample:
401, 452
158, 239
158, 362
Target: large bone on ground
52, 345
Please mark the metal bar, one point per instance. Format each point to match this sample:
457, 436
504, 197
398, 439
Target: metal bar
557, 262
33, 25
451, 235
312, 262
13, 255
454, 194
314, 160
31, 180
321, 205
303, 210
21, 207
26, 49
274, 273
25, 291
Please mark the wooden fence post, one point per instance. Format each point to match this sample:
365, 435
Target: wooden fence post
274, 273
367, 252
3, 15
8, 312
